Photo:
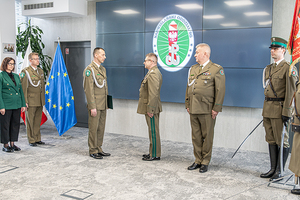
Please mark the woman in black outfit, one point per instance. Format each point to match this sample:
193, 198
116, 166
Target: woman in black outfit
11, 104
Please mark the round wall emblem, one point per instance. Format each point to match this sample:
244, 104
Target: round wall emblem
173, 42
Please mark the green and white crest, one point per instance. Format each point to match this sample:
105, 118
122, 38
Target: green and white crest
87, 73
173, 42
22, 75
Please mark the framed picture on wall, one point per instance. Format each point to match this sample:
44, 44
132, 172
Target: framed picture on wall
8, 48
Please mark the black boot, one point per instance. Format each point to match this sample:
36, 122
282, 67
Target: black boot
273, 152
277, 173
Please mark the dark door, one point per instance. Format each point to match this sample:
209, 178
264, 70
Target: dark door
77, 56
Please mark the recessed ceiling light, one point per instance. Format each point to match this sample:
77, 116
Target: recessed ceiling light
265, 23
213, 16
126, 12
229, 24
256, 13
189, 6
238, 3
157, 19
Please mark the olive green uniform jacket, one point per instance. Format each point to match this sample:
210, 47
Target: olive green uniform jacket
95, 87
33, 86
205, 89
11, 95
294, 165
149, 98
283, 85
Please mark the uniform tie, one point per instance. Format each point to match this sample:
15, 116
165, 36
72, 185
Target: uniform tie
275, 64
201, 66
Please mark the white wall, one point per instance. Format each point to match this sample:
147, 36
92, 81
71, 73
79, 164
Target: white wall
7, 26
232, 125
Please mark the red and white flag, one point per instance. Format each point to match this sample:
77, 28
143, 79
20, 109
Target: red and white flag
294, 41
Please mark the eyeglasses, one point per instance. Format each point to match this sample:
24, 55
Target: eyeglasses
34, 59
12, 64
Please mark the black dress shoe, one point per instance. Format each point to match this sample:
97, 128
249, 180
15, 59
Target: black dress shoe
146, 155
194, 166
40, 142
15, 148
33, 144
203, 168
151, 158
96, 156
7, 149
295, 191
104, 154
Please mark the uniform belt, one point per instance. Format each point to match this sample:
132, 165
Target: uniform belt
295, 128
274, 99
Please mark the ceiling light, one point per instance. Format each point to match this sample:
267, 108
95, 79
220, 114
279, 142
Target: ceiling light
229, 24
238, 3
157, 19
213, 16
256, 13
126, 12
189, 6
264, 23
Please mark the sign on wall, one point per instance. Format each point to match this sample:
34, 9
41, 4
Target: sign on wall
173, 42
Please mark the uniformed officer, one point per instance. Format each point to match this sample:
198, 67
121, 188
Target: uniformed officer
295, 159
203, 100
149, 105
32, 78
95, 88
279, 89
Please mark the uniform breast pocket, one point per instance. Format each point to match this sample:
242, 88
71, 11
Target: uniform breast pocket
206, 79
279, 81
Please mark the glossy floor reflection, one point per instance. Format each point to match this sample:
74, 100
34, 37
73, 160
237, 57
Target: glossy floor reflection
62, 169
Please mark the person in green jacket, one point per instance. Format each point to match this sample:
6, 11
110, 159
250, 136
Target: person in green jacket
12, 103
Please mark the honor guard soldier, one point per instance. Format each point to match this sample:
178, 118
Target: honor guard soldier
96, 91
295, 158
33, 84
149, 105
203, 100
279, 87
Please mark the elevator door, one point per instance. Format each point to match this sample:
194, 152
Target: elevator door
77, 56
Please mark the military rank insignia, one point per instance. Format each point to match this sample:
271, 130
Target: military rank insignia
222, 72
87, 73
22, 75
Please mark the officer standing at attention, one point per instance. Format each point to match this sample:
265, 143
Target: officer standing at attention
149, 105
279, 89
95, 88
295, 158
33, 84
203, 100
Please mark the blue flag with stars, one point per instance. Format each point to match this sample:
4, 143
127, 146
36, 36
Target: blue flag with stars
59, 95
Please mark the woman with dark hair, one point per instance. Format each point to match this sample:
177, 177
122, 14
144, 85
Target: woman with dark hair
11, 104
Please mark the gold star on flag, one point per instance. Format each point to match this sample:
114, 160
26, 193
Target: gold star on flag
54, 106
58, 73
60, 107
72, 98
68, 105
49, 100
65, 74
52, 77
48, 83
47, 92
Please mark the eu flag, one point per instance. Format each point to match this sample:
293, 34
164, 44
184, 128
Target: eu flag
59, 95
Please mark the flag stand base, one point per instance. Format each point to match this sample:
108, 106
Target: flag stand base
282, 183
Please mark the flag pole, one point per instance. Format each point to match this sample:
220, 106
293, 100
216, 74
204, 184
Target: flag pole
58, 40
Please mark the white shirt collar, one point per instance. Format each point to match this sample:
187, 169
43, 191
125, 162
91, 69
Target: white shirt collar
277, 63
96, 64
33, 68
205, 63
